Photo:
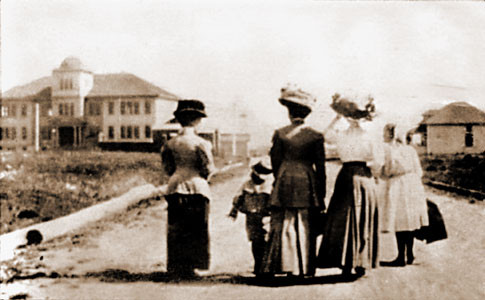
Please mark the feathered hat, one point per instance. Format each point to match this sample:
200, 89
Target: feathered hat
350, 109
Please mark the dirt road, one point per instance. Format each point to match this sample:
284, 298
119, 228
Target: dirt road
124, 258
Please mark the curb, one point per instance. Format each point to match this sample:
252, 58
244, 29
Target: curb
51, 229
458, 190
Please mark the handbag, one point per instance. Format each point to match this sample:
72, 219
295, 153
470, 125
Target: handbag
436, 230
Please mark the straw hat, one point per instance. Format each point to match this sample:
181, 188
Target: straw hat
291, 94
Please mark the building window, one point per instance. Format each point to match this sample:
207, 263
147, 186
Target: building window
7, 133
97, 107
14, 110
148, 132
71, 106
148, 107
24, 110
469, 136
24, 133
122, 108
45, 133
1, 133
111, 108
4, 111
130, 107
111, 132
123, 134
137, 108
136, 130
14, 133
129, 132
61, 111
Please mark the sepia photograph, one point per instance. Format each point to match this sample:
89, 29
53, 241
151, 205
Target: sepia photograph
313, 149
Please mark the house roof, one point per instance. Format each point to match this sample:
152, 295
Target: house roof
104, 85
456, 113
125, 84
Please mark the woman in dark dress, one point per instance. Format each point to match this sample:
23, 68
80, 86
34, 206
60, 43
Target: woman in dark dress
298, 160
187, 159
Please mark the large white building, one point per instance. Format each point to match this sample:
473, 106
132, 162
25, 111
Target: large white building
77, 108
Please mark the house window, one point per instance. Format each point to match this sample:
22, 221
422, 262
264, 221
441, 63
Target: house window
24, 133
137, 108
111, 108
111, 132
7, 133
136, 130
469, 136
14, 133
61, 111
71, 107
129, 132
130, 107
14, 110
148, 131
148, 107
122, 108
97, 107
4, 111
24, 110
123, 132
1, 133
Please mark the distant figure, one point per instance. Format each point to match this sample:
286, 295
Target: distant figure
298, 161
405, 209
252, 200
350, 236
187, 158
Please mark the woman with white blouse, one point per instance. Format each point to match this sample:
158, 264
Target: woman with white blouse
350, 236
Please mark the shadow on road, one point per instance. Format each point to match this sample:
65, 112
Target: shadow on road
116, 275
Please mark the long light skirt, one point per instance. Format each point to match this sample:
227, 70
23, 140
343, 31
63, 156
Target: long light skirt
291, 243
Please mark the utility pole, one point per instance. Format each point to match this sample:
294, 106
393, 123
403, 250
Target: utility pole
36, 127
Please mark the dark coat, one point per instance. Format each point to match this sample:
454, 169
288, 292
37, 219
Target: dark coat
298, 161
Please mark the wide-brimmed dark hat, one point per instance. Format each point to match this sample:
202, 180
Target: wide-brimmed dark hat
262, 167
195, 107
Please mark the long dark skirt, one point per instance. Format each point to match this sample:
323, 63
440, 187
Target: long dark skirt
350, 236
187, 234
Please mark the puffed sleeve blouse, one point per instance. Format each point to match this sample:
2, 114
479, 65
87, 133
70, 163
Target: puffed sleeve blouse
354, 144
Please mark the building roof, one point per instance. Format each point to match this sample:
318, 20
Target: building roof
456, 113
104, 85
72, 63
29, 89
125, 84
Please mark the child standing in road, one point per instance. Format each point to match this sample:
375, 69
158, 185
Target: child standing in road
252, 200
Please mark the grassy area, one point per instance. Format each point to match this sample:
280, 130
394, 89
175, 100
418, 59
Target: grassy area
461, 170
47, 185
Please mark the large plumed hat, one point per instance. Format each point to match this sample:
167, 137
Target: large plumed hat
195, 107
350, 109
291, 94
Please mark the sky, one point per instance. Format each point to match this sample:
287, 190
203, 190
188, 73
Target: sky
237, 55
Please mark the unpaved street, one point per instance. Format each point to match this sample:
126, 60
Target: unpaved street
124, 258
